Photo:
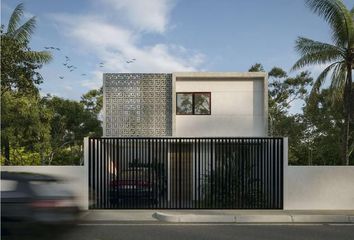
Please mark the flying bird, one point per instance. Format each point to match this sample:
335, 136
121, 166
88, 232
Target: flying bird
54, 48
83, 74
61, 77
130, 61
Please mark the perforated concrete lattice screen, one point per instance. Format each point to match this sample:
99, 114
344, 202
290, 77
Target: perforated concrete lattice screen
137, 104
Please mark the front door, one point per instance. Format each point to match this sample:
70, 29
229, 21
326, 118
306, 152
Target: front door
181, 175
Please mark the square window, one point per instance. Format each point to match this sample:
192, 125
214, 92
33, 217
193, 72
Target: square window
184, 103
197, 103
202, 103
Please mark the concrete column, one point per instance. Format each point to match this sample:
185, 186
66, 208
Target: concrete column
285, 170
86, 176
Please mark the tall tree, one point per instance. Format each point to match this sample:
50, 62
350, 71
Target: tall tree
283, 90
19, 72
338, 56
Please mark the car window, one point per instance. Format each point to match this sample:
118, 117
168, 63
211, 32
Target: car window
8, 185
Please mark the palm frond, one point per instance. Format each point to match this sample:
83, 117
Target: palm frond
314, 52
15, 18
38, 56
338, 16
305, 45
24, 32
338, 77
321, 78
338, 80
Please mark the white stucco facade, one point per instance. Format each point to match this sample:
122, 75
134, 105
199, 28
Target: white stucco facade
144, 104
238, 105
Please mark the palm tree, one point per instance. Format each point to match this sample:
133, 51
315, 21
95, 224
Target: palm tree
338, 56
23, 33
18, 61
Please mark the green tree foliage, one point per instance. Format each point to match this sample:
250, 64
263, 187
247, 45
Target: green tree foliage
19, 95
257, 67
20, 64
338, 57
283, 91
35, 130
70, 123
323, 122
315, 131
93, 100
46, 131
25, 129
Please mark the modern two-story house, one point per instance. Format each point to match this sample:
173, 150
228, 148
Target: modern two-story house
185, 140
191, 104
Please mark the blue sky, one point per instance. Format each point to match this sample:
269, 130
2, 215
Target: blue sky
164, 36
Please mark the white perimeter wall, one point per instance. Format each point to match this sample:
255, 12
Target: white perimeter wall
237, 108
319, 188
305, 187
75, 176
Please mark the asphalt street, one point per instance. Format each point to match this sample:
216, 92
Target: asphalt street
156, 231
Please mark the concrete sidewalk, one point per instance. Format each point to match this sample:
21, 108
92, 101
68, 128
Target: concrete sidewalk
110, 215
256, 216
220, 216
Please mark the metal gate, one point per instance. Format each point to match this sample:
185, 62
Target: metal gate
186, 173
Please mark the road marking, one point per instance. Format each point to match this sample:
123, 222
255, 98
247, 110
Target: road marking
341, 224
203, 224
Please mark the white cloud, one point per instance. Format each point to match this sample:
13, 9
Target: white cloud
147, 15
114, 44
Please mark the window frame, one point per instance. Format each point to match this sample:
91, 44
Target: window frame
193, 105
192, 113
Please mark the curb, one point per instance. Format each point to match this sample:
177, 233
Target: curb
263, 219
194, 218
321, 218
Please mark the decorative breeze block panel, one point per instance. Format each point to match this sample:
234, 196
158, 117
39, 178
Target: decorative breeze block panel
137, 104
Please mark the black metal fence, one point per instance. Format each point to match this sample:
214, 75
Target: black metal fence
186, 173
